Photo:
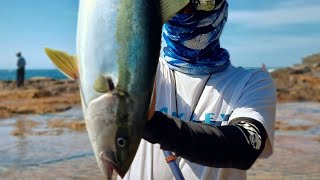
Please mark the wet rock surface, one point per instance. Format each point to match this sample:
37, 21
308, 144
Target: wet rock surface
296, 145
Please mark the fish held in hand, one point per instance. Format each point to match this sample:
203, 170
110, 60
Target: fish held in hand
118, 46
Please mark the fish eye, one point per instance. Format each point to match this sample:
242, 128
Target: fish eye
121, 142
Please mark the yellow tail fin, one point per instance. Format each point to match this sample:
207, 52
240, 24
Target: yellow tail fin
66, 63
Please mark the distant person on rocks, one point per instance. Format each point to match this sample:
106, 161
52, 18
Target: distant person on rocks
21, 63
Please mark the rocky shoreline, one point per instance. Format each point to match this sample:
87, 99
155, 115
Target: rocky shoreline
300, 82
38, 96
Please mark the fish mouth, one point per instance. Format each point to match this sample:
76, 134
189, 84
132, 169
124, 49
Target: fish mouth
110, 165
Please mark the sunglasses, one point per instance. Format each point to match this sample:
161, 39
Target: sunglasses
206, 5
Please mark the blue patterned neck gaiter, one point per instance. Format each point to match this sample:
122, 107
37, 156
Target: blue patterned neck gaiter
190, 42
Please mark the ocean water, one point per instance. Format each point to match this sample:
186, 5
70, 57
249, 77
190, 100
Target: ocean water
30, 73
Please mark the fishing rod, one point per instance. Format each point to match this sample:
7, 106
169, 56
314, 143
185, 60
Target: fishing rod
171, 160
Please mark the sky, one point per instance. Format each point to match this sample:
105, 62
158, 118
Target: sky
277, 33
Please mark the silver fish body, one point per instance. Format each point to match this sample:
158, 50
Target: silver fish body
119, 40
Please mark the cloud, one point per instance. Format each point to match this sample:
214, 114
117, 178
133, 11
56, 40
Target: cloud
267, 44
275, 50
296, 3
285, 13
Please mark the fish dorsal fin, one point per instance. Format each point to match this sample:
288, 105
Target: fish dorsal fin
171, 7
66, 63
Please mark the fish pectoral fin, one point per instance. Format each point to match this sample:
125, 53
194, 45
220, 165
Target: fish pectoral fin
66, 63
171, 7
103, 84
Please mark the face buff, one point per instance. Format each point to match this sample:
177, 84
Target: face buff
190, 42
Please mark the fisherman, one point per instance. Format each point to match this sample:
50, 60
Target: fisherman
216, 118
21, 63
